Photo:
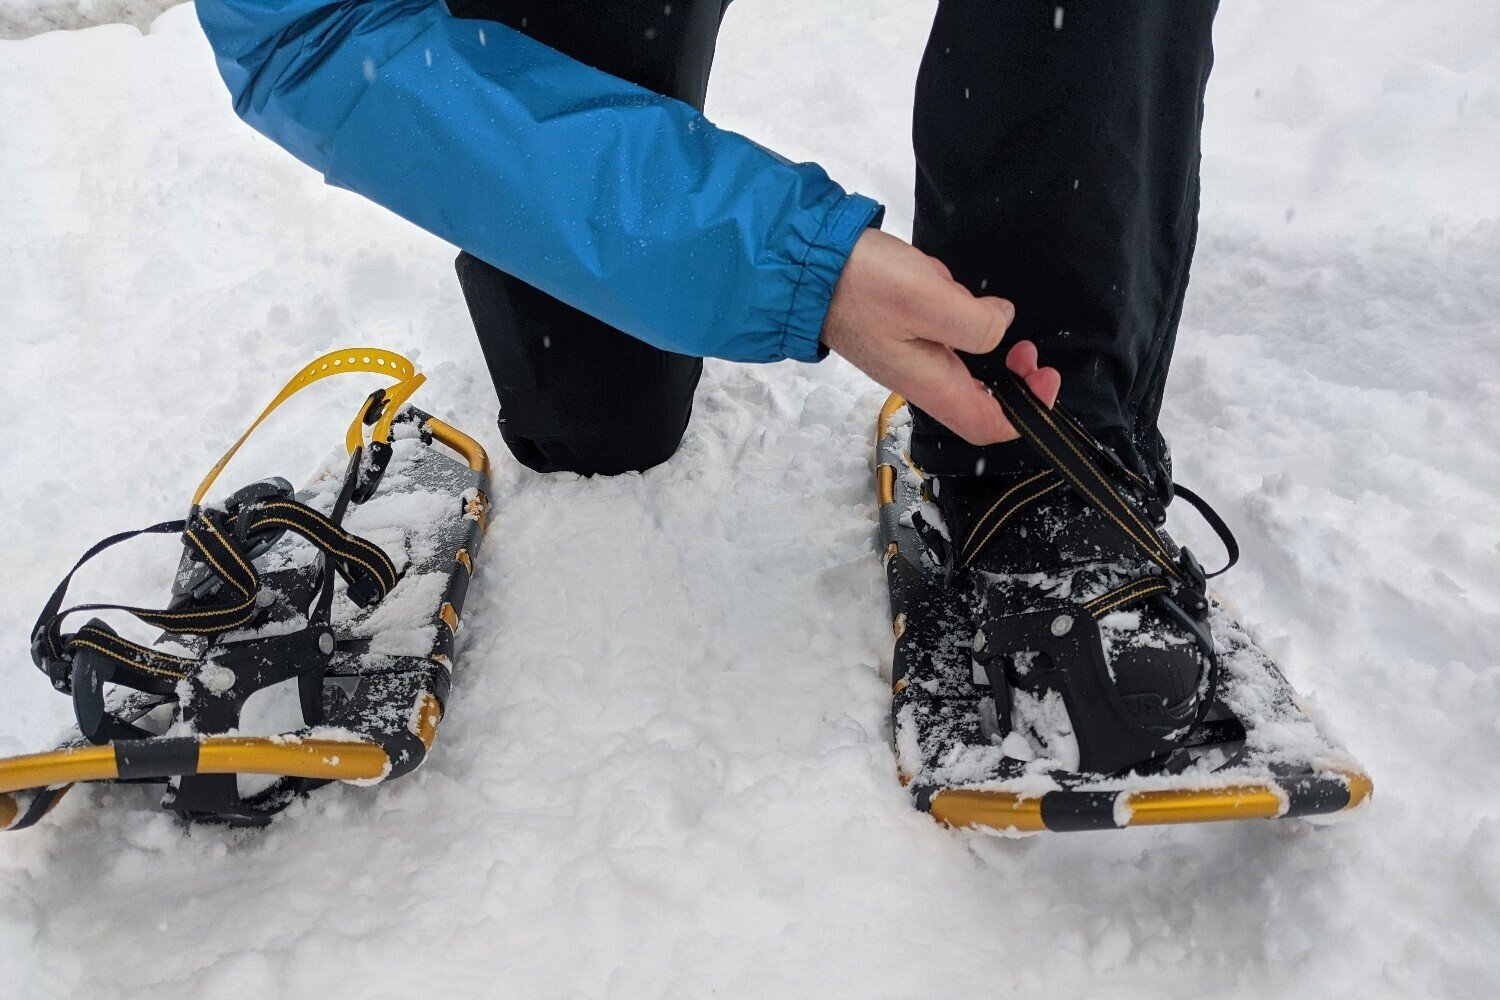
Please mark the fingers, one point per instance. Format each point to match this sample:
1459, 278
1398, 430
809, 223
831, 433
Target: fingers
972, 325
898, 316
968, 410
1021, 358
964, 406
939, 383
1045, 383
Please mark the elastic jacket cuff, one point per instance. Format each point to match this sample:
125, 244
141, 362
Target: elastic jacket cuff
822, 262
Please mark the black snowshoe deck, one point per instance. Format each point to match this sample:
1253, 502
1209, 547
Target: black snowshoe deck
383, 688
1261, 755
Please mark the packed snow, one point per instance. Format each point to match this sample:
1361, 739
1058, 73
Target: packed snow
665, 769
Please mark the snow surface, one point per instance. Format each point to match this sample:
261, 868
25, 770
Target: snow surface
665, 771
24, 18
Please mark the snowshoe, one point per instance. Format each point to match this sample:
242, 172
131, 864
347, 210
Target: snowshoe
1082, 678
325, 617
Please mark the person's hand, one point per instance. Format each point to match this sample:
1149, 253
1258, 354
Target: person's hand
898, 316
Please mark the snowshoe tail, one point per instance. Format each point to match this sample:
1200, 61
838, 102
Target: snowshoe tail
342, 601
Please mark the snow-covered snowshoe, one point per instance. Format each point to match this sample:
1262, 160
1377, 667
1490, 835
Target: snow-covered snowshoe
1059, 663
321, 620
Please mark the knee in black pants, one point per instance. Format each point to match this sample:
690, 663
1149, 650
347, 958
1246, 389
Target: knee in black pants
576, 395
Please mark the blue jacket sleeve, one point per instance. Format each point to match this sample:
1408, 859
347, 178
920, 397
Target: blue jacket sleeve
625, 204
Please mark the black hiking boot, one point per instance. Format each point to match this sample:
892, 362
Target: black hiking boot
1056, 662
1091, 623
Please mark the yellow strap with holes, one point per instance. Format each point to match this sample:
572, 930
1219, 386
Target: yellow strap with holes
350, 359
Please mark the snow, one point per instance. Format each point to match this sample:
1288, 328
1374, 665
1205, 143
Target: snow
665, 771
24, 18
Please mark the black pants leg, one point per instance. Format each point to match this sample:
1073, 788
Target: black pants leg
1057, 165
577, 395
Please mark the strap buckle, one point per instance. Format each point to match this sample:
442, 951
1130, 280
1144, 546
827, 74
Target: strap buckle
58, 670
1192, 595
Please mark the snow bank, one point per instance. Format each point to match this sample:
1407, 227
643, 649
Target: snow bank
665, 770
24, 18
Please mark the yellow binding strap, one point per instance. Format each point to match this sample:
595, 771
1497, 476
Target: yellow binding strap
350, 359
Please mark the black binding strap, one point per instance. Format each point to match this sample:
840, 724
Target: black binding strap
157, 667
364, 565
1231, 546
98, 656
212, 537
1127, 594
50, 648
1073, 454
1018, 496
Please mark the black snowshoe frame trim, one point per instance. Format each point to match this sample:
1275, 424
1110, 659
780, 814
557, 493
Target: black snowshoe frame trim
935, 716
